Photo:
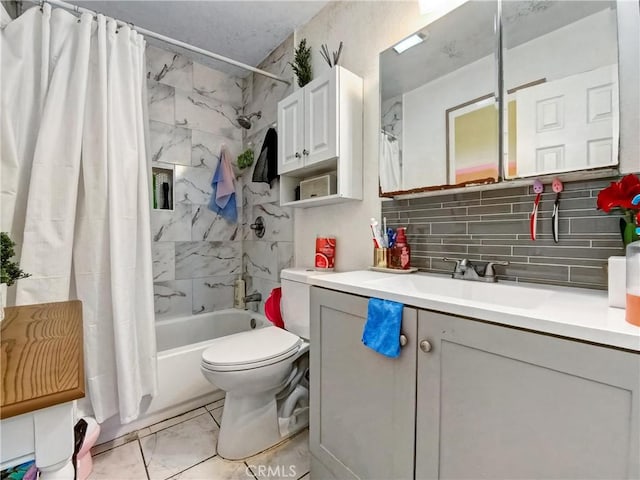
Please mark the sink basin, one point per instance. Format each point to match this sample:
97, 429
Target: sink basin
505, 295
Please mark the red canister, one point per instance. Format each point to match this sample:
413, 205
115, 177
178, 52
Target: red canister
325, 252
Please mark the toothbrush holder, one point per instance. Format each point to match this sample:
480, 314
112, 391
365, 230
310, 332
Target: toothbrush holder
380, 257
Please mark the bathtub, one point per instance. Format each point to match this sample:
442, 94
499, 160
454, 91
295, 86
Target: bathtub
180, 343
181, 386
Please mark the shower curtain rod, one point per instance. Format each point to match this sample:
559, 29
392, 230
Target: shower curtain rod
169, 40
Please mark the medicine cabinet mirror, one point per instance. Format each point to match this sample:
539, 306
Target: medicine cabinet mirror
547, 101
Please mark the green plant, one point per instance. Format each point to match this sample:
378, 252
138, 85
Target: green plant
302, 65
9, 271
245, 159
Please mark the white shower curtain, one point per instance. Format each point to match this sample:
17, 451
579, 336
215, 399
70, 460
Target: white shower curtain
75, 192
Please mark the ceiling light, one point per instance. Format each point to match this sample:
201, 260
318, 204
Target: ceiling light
409, 42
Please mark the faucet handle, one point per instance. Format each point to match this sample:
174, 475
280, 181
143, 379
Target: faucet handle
490, 272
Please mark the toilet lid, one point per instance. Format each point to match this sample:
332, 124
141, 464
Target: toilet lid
250, 347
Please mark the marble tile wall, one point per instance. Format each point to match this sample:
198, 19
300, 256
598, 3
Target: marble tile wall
197, 254
263, 258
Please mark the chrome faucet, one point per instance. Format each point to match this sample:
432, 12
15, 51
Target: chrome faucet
474, 270
251, 302
254, 297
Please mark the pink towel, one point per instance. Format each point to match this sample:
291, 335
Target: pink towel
226, 181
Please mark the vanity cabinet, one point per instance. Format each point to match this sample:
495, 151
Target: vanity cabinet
320, 132
490, 401
362, 404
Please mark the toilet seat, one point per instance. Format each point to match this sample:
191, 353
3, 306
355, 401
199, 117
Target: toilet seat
250, 349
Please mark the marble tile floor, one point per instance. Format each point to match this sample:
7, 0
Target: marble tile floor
184, 448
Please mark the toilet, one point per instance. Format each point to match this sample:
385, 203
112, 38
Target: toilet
264, 374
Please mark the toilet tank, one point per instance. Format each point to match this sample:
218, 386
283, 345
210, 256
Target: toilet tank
295, 303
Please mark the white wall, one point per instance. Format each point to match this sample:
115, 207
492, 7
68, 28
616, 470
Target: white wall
366, 28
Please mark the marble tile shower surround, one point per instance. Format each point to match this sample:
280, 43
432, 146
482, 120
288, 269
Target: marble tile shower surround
494, 225
263, 258
197, 255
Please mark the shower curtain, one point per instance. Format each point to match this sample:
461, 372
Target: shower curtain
75, 192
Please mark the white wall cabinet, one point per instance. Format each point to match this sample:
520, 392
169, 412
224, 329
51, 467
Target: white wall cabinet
466, 399
320, 132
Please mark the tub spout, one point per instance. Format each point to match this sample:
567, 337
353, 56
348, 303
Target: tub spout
254, 297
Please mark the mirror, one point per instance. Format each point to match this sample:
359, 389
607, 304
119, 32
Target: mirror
438, 101
560, 70
439, 107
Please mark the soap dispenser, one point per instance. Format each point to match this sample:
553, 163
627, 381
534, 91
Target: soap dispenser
401, 252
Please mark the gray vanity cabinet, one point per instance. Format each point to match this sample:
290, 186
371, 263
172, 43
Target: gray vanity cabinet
362, 404
496, 402
466, 399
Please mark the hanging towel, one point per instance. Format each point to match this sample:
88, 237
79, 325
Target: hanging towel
390, 168
266, 169
223, 197
382, 329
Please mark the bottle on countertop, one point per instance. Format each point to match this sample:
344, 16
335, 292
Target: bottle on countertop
401, 252
633, 283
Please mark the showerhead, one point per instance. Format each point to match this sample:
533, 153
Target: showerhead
245, 120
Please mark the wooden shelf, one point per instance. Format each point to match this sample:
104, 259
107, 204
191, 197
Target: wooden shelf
42, 357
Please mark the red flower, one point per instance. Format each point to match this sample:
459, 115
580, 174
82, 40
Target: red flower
619, 194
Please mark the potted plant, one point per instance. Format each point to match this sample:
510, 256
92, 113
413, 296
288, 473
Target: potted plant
302, 63
9, 270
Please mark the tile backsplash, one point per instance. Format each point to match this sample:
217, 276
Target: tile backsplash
494, 225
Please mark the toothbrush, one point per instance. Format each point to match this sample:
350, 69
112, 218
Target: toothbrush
385, 234
376, 232
538, 188
556, 185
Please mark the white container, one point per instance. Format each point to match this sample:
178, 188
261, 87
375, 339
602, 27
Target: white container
617, 282
321, 186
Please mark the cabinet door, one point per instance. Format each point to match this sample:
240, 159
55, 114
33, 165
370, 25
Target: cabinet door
321, 119
362, 403
291, 132
496, 402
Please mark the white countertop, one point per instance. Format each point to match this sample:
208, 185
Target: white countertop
569, 312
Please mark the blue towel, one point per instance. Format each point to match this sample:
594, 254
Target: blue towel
382, 329
224, 204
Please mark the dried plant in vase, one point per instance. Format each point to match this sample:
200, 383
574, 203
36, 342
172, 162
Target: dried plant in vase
302, 63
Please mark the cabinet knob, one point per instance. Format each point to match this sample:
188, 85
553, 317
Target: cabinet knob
297, 155
403, 340
425, 346
305, 152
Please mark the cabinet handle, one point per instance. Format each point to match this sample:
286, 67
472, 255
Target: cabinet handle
403, 340
305, 152
425, 346
297, 155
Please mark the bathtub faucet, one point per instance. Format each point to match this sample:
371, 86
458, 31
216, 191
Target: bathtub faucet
254, 297
251, 301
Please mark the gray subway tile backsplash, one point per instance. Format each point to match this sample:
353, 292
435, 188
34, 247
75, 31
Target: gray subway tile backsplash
494, 225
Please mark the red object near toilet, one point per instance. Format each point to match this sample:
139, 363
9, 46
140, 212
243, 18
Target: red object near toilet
272, 307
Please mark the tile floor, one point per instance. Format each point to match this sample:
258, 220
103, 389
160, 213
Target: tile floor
184, 448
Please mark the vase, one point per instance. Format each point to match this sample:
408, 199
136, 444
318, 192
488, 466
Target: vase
628, 231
